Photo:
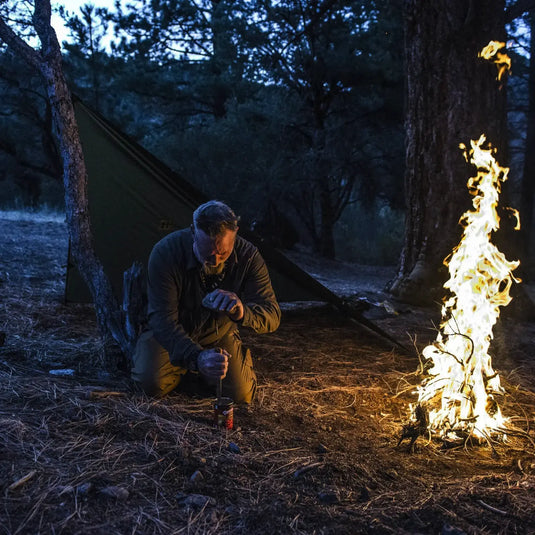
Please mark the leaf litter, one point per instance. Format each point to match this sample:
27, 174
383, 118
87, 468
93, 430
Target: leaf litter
317, 452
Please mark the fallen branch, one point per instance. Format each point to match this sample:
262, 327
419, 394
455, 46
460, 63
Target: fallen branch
300, 471
97, 394
492, 509
22, 480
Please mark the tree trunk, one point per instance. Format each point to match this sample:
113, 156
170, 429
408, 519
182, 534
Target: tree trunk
327, 221
49, 64
528, 177
452, 97
325, 209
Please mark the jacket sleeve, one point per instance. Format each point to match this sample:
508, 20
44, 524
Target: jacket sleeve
261, 310
164, 289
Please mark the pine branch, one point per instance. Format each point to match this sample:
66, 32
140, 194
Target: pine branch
21, 47
518, 9
50, 49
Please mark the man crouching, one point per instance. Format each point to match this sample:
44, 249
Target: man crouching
204, 282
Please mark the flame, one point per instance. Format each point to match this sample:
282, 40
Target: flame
503, 61
461, 388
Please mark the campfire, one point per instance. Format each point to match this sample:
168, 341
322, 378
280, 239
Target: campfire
459, 396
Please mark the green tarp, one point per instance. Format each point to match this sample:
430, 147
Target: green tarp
135, 200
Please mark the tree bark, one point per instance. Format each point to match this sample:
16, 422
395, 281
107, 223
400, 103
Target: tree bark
452, 97
48, 62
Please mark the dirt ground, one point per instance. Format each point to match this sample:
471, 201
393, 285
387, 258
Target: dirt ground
317, 452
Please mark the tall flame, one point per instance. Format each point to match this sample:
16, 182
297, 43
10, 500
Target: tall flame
460, 392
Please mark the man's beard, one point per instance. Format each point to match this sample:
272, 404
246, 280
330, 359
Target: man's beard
213, 270
207, 269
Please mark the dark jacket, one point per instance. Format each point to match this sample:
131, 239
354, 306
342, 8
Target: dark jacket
176, 316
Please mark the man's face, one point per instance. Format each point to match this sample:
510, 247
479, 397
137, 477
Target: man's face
213, 252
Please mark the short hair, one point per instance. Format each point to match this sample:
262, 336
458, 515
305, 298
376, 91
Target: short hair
214, 217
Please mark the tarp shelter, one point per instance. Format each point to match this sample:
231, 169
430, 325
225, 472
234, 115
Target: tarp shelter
135, 200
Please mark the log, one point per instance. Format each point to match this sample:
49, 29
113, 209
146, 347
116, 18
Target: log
134, 304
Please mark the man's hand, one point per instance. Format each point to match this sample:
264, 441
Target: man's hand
213, 363
223, 301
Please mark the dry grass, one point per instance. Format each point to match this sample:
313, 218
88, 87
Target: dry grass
317, 450
125, 464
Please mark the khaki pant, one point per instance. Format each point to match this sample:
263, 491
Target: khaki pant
153, 370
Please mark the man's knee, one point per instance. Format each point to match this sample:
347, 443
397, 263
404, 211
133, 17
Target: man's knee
152, 369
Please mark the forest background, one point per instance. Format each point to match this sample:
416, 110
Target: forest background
323, 123
293, 112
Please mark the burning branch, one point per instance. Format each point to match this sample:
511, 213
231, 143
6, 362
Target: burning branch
502, 61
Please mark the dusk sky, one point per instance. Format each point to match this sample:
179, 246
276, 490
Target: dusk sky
73, 6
